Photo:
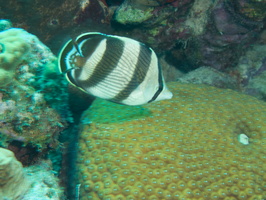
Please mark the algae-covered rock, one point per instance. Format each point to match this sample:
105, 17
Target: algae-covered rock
33, 95
128, 14
209, 76
257, 86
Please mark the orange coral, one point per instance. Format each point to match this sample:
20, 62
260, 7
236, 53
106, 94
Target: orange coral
185, 148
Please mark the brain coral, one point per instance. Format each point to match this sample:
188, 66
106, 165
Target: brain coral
186, 148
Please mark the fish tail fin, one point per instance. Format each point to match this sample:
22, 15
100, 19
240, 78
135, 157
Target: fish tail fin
165, 94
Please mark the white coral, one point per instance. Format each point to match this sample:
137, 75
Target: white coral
13, 183
45, 185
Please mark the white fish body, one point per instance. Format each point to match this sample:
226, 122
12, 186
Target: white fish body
114, 68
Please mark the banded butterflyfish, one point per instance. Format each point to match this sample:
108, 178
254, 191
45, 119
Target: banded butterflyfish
114, 68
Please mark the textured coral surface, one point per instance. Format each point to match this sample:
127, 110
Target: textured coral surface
188, 147
13, 183
44, 183
13, 50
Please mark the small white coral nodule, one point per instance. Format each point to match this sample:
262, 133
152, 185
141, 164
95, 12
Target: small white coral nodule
243, 139
12, 180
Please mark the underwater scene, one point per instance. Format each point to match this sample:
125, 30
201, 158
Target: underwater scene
132, 100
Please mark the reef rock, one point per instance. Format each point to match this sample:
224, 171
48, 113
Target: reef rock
209, 76
250, 71
211, 33
44, 183
257, 86
227, 35
54, 20
155, 23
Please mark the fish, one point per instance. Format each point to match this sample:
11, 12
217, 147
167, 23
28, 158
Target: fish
114, 68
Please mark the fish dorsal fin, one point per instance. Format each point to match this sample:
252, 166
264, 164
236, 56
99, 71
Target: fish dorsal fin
89, 35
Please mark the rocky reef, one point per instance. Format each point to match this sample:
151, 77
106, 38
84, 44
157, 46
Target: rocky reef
251, 70
201, 33
33, 112
26, 65
53, 19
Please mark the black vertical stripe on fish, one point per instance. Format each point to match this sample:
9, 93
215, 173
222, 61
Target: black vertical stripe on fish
71, 79
141, 69
77, 48
160, 88
113, 51
89, 46
75, 75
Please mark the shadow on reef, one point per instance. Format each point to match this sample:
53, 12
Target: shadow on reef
27, 155
78, 103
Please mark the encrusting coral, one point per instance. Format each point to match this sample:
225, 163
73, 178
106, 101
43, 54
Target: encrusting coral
204, 143
13, 51
13, 183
